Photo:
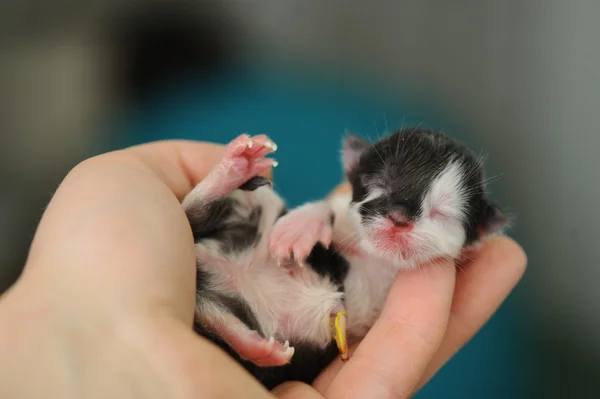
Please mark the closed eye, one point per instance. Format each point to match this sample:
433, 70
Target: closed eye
437, 213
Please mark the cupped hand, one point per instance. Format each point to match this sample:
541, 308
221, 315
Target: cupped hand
105, 304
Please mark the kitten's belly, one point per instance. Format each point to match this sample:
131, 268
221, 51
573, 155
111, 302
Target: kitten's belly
288, 307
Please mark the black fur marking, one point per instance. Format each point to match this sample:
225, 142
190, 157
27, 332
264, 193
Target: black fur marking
329, 263
202, 278
406, 163
204, 220
236, 306
254, 183
213, 222
238, 236
240, 309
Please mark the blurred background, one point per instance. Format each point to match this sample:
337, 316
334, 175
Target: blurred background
517, 80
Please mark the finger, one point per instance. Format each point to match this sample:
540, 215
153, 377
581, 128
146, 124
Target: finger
391, 359
481, 287
180, 164
296, 390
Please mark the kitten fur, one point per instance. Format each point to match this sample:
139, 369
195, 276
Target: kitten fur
415, 195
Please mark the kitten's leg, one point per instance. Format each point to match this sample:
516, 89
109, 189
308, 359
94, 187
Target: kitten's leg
296, 233
242, 160
207, 209
247, 343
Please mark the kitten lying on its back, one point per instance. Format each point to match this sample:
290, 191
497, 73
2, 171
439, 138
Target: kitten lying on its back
416, 195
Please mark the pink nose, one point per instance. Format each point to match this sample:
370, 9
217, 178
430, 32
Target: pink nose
400, 221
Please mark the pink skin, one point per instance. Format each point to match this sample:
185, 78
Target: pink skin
244, 159
252, 346
349, 249
295, 234
394, 234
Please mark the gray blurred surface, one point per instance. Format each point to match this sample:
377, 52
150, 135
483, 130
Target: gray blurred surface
525, 75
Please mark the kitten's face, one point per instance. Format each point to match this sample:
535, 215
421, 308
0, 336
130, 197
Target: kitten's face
416, 196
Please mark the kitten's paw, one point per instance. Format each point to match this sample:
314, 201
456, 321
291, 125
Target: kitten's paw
262, 351
296, 234
243, 159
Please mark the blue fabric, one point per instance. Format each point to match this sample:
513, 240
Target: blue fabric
307, 117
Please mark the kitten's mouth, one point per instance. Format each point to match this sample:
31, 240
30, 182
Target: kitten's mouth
391, 242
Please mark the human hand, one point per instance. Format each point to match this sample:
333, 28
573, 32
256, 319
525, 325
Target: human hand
105, 305
429, 315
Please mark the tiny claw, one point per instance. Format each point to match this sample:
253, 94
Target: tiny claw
299, 261
289, 352
271, 341
249, 143
271, 145
274, 163
278, 262
286, 345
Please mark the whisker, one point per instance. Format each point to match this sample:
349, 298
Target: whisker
375, 148
375, 124
387, 129
493, 179
401, 128
348, 245
347, 237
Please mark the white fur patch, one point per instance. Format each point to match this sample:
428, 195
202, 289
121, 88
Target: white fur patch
447, 193
443, 234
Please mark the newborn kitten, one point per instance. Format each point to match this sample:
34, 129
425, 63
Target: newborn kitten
268, 280
415, 196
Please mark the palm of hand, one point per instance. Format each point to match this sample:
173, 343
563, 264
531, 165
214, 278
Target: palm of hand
111, 278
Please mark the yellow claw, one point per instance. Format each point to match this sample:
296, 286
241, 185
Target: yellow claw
340, 334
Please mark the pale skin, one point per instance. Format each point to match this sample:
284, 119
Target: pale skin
104, 307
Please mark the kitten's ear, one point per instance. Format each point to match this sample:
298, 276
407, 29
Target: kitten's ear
493, 220
352, 149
